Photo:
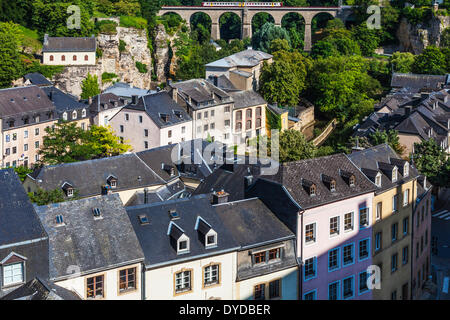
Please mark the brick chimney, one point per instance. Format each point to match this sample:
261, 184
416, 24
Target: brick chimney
220, 197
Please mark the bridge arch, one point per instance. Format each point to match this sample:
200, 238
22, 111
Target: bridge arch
294, 23
203, 19
230, 26
318, 23
259, 19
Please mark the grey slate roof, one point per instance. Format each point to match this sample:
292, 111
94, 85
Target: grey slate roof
88, 177
38, 289
246, 58
18, 219
291, 174
69, 44
158, 104
377, 159
157, 157
173, 190
63, 101
125, 90
154, 237
37, 79
417, 81
244, 99
252, 223
91, 244
223, 83
21, 100
106, 101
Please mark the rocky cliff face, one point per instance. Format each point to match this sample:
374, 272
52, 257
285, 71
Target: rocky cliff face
414, 38
165, 54
123, 64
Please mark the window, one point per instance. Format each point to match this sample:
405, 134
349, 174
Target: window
145, 132
377, 241
25, 134
74, 115
405, 226
258, 111
183, 281
227, 109
258, 123
348, 253
212, 126
394, 203
211, 275
63, 58
36, 131
394, 295
205, 127
86, 57
7, 151
121, 128
36, 144
13, 274
310, 268
310, 233
205, 114
74, 58
140, 119
95, 287
405, 255
183, 129
363, 218
70, 192
333, 259
7, 137
274, 289
274, 254
310, 295
25, 147
248, 113
239, 115
406, 169
14, 150
146, 144
405, 197
211, 240
394, 231
394, 261
348, 221
183, 245
333, 291
259, 257
127, 117
248, 125
363, 282
334, 226
14, 163
394, 174
212, 113
379, 208
227, 123
378, 180
199, 129
52, 58
199, 116
260, 291
363, 249
348, 287
127, 279
83, 126
14, 136
238, 126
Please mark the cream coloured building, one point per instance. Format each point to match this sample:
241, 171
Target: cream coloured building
69, 51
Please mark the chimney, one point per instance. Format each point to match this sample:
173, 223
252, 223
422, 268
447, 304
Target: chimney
215, 81
175, 94
407, 111
46, 39
134, 99
50, 95
220, 197
90, 100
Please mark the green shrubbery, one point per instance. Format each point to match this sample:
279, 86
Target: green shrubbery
108, 77
142, 67
106, 26
133, 22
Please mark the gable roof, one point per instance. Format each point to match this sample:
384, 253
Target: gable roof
122, 89
417, 81
37, 79
62, 100
245, 58
69, 44
38, 289
18, 219
158, 104
373, 161
100, 101
91, 244
88, 177
244, 99
157, 157
14, 101
155, 240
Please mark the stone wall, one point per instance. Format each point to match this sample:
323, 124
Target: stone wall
123, 64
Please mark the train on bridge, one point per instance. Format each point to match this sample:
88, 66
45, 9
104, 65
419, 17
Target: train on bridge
242, 4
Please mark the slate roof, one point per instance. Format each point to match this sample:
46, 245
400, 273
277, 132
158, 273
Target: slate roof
158, 104
246, 58
201, 93
18, 219
291, 174
417, 81
20, 100
244, 99
276, 109
223, 83
37, 79
62, 100
105, 102
375, 159
88, 177
69, 44
38, 289
173, 190
157, 157
91, 244
123, 89
252, 223
154, 237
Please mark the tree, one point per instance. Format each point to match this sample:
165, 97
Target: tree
261, 40
445, 38
367, 39
430, 61
402, 62
10, 63
338, 42
22, 172
294, 147
429, 159
390, 137
43, 197
279, 44
283, 80
89, 87
67, 142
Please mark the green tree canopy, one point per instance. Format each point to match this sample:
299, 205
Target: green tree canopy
402, 62
261, 40
390, 137
294, 147
430, 61
430, 160
10, 62
43, 197
89, 87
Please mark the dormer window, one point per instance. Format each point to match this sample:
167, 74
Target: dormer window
211, 240
183, 245
59, 220
352, 181
83, 113
330, 182
68, 189
206, 233
309, 186
112, 181
74, 115
312, 190
70, 192
394, 174
378, 180
168, 168
13, 267
406, 170
96, 213
178, 238
65, 116
348, 177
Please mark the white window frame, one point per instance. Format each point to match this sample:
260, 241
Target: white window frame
209, 279
185, 285
379, 210
405, 197
352, 222
395, 203
314, 233
209, 234
179, 241
337, 226
5, 269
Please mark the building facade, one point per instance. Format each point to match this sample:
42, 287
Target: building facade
69, 51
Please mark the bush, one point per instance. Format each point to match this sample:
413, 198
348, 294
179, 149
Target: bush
122, 45
141, 67
106, 26
133, 22
108, 77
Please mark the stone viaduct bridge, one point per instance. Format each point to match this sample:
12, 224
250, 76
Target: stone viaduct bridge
247, 14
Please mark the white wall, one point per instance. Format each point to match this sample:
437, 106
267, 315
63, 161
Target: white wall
57, 58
